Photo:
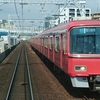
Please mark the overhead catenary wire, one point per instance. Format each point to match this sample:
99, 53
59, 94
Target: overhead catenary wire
16, 11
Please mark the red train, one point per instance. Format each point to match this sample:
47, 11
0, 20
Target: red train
75, 48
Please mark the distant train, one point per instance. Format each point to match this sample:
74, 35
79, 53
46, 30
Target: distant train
75, 48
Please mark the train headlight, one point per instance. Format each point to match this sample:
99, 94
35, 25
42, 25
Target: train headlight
80, 68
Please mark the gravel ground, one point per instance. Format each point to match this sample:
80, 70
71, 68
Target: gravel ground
45, 85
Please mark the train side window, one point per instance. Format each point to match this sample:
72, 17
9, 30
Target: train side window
46, 42
64, 42
42, 41
38, 41
51, 42
57, 43
34, 41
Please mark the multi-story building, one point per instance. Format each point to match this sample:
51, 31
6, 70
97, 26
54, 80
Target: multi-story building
67, 14
73, 13
96, 15
50, 22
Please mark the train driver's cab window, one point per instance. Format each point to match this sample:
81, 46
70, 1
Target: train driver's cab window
51, 40
57, 43
85, 40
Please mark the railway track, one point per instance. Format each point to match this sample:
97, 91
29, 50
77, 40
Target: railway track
20, 86
91, 96
45, 85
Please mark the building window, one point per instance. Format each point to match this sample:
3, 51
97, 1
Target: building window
87, 11
71, 10
64, 14
87, 15
64, 9
78, 11
72, 14
78, 14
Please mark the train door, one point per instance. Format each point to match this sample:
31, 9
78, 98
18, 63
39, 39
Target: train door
51, 48
57, 49
64, 52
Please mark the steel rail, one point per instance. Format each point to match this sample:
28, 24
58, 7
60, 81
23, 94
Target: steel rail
85, 97
29, 77
13, 77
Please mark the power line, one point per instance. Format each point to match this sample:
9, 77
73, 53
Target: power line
35, 1
17, 12
16, 9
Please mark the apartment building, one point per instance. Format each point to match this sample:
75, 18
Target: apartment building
73, 13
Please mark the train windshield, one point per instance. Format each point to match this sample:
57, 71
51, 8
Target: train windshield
85, 40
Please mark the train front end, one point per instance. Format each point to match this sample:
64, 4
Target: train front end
84, 57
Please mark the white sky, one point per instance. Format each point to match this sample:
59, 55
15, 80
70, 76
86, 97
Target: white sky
94, 5
7, 11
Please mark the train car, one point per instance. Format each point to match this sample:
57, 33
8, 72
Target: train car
75, 48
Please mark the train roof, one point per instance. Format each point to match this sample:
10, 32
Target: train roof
3, 33
61, 28
77, 23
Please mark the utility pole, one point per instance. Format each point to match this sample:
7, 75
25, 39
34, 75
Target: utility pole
22, 7
58, 15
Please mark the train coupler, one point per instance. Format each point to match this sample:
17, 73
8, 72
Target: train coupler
96, 86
